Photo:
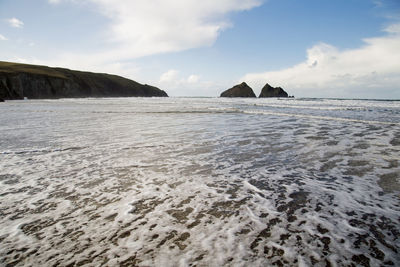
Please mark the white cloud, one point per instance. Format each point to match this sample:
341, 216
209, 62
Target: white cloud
178, 85
16, 23
147, 27
3, 38
393, 29
173, 76
193, 78
169, 76
369, 71
140, 28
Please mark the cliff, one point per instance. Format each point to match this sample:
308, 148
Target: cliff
240, 90
22, 80
269, 91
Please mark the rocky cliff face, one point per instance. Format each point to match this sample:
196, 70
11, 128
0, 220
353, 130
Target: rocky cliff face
21, 80
240, 90
269, 91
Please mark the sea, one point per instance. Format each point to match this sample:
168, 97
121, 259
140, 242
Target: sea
200, 182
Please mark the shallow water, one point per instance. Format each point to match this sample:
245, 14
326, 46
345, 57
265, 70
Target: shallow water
199, 182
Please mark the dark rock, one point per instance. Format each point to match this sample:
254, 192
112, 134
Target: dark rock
1, 100
240, 90
18, 81
269, 91
361, 260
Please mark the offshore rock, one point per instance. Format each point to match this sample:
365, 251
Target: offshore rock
240, 90
19, 81
269, 91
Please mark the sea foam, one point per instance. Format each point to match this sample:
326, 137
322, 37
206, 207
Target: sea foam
207, 182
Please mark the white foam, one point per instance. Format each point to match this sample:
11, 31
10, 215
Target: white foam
318, 117
164, 182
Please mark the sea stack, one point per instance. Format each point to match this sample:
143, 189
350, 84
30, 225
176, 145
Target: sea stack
240, 90
269, 91
20, 81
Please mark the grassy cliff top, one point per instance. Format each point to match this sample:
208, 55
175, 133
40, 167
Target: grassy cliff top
17, 80
10, 67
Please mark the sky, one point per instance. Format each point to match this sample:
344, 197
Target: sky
311, 48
